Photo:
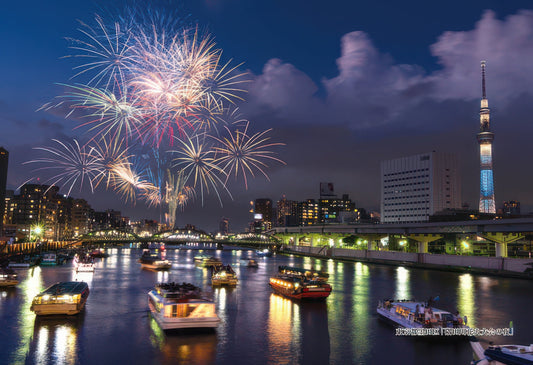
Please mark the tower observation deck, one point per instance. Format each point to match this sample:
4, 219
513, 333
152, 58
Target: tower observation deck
485, 138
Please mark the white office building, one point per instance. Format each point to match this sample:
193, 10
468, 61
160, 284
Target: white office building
415, 187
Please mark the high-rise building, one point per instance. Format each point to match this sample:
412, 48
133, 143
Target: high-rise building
415, 187
80, 213
4, 159
223, 226
287, 212
309, 212
485, 138
511, 208
264, 208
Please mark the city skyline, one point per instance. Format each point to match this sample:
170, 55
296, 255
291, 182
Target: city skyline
369, 96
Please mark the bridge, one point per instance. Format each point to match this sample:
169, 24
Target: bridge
464, 234
179, 237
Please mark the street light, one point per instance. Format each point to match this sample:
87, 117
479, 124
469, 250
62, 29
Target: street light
37, 229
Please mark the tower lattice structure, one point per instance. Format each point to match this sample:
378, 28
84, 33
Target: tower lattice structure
485, 138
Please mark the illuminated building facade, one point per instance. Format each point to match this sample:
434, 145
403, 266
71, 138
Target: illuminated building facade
4, 158
414, 188
310, 212
485, 138
265, 209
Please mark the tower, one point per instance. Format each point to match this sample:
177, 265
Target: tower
485, 138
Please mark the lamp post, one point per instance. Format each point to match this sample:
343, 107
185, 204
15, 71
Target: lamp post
37, 229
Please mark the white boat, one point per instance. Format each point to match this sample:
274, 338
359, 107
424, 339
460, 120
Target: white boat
84, 263
153, 261
67, 297
8, 278
181, 306
413, 314
224, 275
502, 354
207, 261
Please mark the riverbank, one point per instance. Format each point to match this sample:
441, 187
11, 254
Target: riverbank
496, 266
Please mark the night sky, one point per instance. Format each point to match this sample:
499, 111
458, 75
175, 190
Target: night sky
344, 84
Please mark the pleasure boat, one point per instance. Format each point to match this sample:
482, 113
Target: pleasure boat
49, 259
264, 253
84, 263
413, 314
67, 297
298, 287
8, 277
207, 261
23, 261
310, 274
181, 306
251, 263
224, 275
99, 253
502, 354
154, 261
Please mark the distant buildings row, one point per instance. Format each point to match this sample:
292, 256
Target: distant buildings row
327, 209
40, 212
420, 188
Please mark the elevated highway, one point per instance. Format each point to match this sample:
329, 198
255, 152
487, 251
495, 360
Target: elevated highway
501, 232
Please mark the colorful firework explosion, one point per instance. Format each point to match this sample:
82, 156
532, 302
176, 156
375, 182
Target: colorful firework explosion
152, 102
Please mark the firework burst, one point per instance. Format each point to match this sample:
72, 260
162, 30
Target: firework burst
152, 96
76, 165
240, 153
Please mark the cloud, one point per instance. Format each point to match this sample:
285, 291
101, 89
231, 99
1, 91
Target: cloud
371, 90
506, 45
375, 109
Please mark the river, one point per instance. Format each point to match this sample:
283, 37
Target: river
257, 327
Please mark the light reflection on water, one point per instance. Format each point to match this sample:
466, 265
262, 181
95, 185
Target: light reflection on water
403, 285
361, 310
255, 322
466, 304
283, 330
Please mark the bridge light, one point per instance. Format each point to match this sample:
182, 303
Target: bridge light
465, 244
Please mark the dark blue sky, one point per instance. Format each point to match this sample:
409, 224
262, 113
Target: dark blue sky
345, 84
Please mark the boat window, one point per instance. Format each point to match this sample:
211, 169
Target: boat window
174, 311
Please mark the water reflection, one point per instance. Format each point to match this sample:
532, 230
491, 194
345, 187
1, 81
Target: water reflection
361, 311
466, 299
314, 333
184, 349
29, 287
83, 276
403, 285
283, 329
55, 339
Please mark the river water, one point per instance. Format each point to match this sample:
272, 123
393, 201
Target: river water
257, 327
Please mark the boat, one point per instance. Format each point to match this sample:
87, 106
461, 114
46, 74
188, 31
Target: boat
298, 287
207, 261
8, 278
502, 354
84, 263
154, 261
264, 253
310, 274
251, 263
224, 275
413, 314
99, 253
23, 261
49, 259
68, 297
181, 306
